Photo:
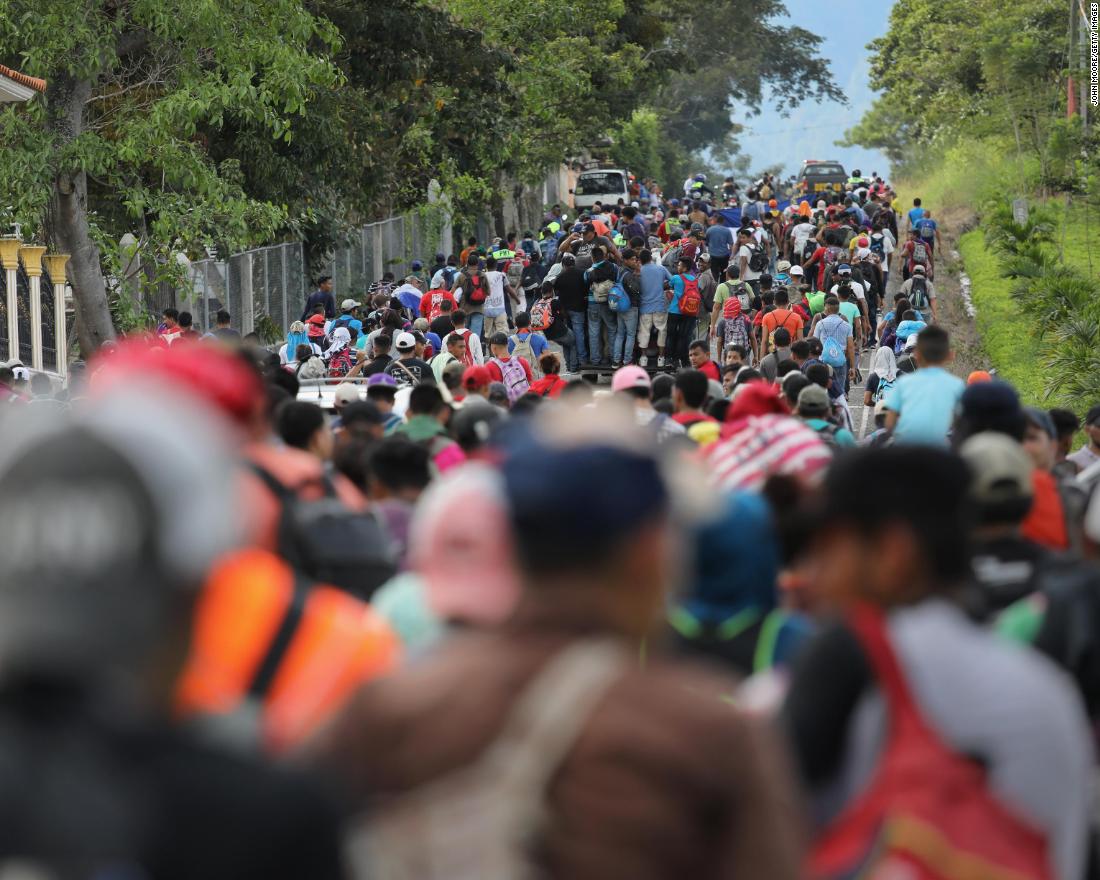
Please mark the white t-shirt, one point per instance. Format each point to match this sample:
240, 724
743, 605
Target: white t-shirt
746, 252
494, 302
801, 234
857, 289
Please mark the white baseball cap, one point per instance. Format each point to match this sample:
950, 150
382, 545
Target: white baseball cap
405, 341
347, 393
796, 270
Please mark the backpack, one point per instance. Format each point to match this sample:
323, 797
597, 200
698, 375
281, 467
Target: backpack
522, 349
449, 274
881, 390
926, 806
480, 820
808, 249
542, 315
737, 333
927, 231
783, 323
329, 543
467, 355
618, 300
918, 295
479, 289
920, 254
515, 377
690, 300
827, 433
342, 321
833, 254
878, 245
758, 258
713, 639
672, 256
833, 353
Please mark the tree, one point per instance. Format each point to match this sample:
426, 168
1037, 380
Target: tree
119, 142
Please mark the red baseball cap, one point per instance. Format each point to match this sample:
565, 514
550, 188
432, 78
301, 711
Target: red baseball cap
476, 377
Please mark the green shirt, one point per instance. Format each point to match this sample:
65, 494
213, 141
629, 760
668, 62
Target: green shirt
851, 312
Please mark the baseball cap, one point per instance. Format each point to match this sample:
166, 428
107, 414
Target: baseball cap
381, 379
843, 269
1093, 416
405, 341
476, 377
772, 203
979, 376
568, 259
347, 393
630, 377
813, 400
417, 265
696, 227
783, 266
704, 257
1001, 469
918, 268
797, 270
1041, 419
348, 304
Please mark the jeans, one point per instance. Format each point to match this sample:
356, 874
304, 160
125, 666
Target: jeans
599, 315
568, 345
626, 329
475, 322
680, 329
577, 321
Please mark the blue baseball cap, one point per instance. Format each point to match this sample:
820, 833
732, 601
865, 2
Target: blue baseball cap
844, 267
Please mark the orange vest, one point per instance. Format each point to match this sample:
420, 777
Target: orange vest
336, 643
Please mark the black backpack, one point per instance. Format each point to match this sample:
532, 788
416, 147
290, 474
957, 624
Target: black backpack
758, 258
327, 542
918, 293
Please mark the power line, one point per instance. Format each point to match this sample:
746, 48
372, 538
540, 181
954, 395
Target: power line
751, 134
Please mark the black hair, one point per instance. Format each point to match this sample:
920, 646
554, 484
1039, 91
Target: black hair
425, 400
909, 315
934, 344
692, 384
522, 320
297, 421
782, 337
400, 464
382, 343
717, 409
815, 345
458, 318
784, 367
740, 349
381, 392
819, 374
628, 254
646, 256
352, 458
661, 387
171, 313
223, 317
748, 374
921, 488
700, 344
1066, 423
792, 386
303, 352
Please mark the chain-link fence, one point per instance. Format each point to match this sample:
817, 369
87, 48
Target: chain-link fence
262, 289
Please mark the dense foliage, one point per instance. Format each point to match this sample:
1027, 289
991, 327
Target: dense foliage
203, 125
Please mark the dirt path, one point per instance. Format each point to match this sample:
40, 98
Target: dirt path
967, 342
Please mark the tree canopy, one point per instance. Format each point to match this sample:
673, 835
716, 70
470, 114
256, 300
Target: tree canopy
197, 125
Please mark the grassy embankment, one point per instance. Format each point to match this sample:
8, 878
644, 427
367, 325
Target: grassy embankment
970, 176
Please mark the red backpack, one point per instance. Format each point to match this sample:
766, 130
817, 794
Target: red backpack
927, 813
690, 300
478, 291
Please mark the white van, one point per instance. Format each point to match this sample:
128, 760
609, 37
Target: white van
605, 185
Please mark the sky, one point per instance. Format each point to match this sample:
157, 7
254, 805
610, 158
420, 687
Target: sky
847, 26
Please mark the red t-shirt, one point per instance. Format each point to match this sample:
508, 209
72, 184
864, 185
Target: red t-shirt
548, 386
430, 303
710, 370
1046, 522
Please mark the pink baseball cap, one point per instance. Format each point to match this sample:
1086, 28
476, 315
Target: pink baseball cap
461, 544
630, 377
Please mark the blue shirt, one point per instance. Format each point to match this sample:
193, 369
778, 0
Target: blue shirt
719, 240
654, 276
677, 292
914, 215
925, 403
537, 340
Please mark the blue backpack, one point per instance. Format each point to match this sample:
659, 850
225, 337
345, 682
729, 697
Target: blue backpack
618, 300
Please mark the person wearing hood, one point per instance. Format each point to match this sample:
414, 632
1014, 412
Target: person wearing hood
297, 336
883, 375
731, 611
338, 354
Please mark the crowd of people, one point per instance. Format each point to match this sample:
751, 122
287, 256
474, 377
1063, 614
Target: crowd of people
490, 619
